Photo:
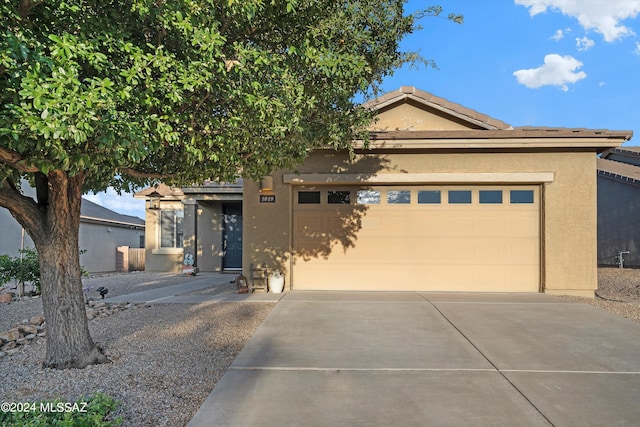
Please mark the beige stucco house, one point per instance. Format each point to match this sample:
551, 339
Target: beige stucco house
442, 199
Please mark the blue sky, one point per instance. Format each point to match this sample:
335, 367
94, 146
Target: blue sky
556, 63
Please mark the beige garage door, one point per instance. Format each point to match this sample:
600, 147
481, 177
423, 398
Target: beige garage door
431, 238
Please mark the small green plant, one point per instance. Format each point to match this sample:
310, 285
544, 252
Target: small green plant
23, 269
94, 411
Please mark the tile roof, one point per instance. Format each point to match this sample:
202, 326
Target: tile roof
444, 105
630, 150
92, 211
207, 186
518, 132
619, 170
488, 127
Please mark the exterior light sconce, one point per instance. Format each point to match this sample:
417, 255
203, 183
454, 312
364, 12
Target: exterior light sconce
154, 200
266, 184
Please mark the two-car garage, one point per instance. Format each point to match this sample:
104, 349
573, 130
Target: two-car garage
439, 197
417, 237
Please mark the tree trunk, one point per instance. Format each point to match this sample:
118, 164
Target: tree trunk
69, 344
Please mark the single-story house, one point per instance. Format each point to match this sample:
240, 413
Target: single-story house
619, 206
101, 232
442, 198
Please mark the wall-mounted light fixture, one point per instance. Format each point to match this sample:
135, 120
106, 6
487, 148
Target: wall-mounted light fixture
154, 200
266, 184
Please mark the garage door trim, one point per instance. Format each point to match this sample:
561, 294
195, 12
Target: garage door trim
420, 178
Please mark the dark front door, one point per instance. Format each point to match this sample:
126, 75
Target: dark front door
232, 236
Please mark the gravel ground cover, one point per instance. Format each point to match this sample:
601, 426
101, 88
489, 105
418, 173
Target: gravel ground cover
167, 358
618, 292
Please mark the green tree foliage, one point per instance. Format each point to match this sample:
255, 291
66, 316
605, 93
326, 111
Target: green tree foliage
98, 93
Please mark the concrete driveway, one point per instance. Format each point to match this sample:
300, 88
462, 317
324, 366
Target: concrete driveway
432, 359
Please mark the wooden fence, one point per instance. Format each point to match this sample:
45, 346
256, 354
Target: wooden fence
136, 259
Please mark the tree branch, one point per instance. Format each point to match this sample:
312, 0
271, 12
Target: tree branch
140, 174
24, 209
16, 161
25, 7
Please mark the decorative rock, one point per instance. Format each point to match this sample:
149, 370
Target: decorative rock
10, 335
28, 329
9, 346
22, 341
42, 334
2, 354
37, 320
6, 297
30, 337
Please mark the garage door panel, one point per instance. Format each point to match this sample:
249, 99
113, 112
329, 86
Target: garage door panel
443, 247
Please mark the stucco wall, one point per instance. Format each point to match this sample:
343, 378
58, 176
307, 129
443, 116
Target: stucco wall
409, 116
11, 235
568, 218
156, 258
100, 242
618, 221
267, 229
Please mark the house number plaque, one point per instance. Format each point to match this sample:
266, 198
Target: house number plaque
267, 198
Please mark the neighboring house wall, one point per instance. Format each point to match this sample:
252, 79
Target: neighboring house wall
12, 238
618, 221
100, 240
99, 235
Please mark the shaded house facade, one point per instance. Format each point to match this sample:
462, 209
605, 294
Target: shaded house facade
443, 198
203, 221
101, 231
619, 206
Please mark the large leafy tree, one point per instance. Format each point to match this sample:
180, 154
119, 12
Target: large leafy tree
122, 93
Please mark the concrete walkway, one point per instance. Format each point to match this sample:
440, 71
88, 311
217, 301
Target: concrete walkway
431, 359
187, 292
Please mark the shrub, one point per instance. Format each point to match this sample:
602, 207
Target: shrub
97, 412
25, 269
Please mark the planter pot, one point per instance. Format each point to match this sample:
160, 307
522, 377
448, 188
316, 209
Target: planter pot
276, 282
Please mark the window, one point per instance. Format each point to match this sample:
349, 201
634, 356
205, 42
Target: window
521, 197
171, 231
339, 197
459, 197
398, 197
429, 197
490, 196
368, 197
308, 197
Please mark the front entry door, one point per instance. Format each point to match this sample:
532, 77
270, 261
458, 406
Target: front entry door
232, 237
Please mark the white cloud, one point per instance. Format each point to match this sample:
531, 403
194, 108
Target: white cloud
603, 16
124, 204
637, 51
584, 43
559, 34
556, 71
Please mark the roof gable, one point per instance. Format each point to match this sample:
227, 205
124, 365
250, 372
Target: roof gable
93, 211
411, 109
